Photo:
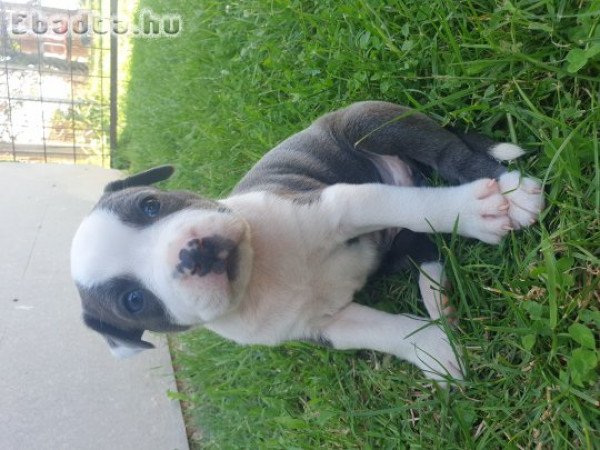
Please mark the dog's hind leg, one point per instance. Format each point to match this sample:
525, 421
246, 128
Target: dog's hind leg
410, 249
433, 285
501, 151
384, 128
388, 129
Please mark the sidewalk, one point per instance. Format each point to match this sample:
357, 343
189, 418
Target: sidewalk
60, 388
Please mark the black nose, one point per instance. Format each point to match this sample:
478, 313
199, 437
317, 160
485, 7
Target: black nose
202, 256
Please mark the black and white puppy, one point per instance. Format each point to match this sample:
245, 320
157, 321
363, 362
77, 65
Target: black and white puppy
281, 258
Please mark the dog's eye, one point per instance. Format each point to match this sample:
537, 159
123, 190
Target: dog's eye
150, 207
134, 301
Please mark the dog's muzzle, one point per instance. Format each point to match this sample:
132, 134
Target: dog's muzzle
214, 254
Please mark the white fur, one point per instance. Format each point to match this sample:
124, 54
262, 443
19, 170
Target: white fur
300, 275
478, 209
118, 253
506, 151
414, 339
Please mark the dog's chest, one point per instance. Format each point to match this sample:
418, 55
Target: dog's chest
298, 277
295, 256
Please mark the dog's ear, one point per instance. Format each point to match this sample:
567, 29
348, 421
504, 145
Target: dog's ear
122, 349
146, 178
122, 343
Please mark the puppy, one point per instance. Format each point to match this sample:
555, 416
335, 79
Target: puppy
281, 258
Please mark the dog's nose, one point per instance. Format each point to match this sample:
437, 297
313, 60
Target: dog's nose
202, 256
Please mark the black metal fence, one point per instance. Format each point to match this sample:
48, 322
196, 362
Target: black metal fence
57, 89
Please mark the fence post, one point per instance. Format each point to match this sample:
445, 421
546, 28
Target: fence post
114, 63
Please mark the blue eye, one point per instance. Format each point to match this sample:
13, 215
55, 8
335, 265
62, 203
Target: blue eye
134, 301
150, 207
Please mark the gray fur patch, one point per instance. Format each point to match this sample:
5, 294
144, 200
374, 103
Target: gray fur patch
126, 204
105, 310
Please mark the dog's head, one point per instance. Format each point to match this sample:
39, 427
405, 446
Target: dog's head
146, 259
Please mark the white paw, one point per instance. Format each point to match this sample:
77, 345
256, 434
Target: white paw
524, 196
433, 285
435, 356
483, 211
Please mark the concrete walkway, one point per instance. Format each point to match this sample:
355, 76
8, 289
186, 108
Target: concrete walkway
60, 388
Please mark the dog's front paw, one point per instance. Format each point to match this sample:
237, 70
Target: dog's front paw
524, 196
436, 357
483, 211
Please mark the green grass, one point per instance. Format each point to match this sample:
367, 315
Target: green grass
243, 77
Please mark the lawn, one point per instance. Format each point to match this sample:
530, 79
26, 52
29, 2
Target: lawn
243, 75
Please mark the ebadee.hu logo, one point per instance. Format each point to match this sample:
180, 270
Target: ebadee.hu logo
149, 24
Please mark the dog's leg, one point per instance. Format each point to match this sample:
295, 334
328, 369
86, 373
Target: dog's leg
413, 339
432, 284
411, 249
477, 210
388, 129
